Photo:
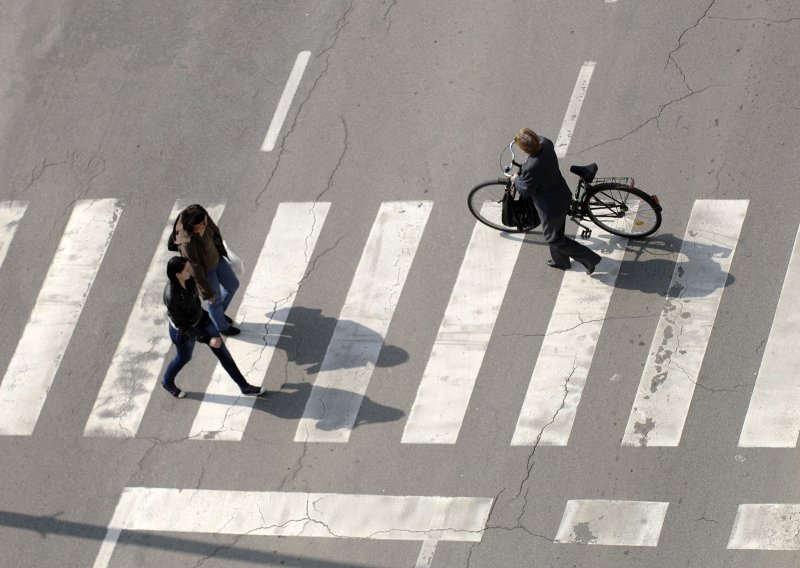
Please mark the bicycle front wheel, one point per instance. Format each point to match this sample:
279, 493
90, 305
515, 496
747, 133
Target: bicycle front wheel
622, 210
485, 202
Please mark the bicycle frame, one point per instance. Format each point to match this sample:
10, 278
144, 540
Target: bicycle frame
612, 203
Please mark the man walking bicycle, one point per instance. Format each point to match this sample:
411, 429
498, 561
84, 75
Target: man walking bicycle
540, 179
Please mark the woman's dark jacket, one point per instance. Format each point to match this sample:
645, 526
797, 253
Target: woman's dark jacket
191, 248
184, 309
541, 180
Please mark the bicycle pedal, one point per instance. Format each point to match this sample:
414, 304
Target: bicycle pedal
586, 234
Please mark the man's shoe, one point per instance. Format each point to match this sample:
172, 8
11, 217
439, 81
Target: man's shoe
591, 267
252, 390
231, 331
552, 264
174, 391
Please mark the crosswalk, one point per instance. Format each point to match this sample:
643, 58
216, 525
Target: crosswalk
424, 519
561, 371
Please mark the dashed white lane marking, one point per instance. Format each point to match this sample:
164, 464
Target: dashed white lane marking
10, 214
574, 108
684, 327
428, 548
44, 341
285, 101
612, 523
134, 369
465, 331
344, 375
766, 526
773, 417
270, 513
559, 376
276, 278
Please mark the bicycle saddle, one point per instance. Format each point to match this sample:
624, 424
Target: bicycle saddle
587, 173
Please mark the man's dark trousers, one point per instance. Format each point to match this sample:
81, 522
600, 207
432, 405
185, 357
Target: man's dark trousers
562, 247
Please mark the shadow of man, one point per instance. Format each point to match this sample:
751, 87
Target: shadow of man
693, 274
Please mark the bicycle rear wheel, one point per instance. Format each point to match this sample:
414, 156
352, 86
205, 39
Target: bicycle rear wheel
485, 202
622, 210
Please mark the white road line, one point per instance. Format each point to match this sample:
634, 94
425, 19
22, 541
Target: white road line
428, 548
285, 101
559, 376
457, 354
276, 279
339, 389
684, 327
612, 523
133, 373
574, 108
773, 417
270, 513
766, 526
44, 341
10, 214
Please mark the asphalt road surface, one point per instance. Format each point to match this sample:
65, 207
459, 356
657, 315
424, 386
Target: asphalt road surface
438, 396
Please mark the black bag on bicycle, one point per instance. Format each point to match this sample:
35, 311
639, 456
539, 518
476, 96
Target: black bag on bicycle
519, 213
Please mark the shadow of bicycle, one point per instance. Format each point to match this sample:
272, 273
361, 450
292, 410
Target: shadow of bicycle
668, 266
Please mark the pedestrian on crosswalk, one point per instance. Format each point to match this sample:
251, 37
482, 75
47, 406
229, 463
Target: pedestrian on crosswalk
540, 180
189, 323
199, 240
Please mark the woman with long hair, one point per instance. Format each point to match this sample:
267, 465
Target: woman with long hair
189, 323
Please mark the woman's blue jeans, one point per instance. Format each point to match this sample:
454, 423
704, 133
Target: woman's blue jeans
185, 346
224, 283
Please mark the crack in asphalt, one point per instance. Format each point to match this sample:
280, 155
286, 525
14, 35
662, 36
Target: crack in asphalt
758, 19
524, 487
339, 161
576, 326
655, 118
35, 176
392, 4
670, 56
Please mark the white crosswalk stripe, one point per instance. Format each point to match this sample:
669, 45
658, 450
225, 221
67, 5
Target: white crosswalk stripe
559, 376
612, 523
766, 526
11, 213
684, 327
344, 375
284, 514
133, 374
773, 417
44, 341
274, 284
449, 378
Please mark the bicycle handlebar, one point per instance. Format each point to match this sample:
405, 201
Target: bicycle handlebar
507, 168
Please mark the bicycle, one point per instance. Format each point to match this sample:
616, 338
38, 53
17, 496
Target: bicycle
613, 203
